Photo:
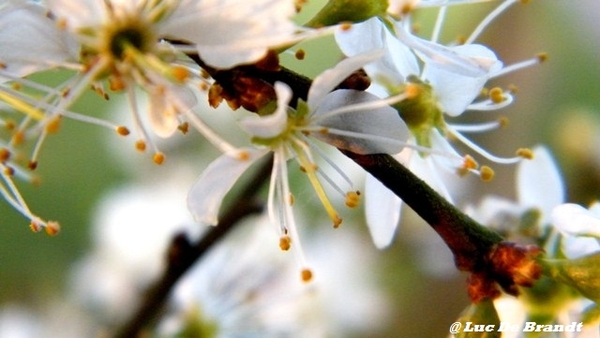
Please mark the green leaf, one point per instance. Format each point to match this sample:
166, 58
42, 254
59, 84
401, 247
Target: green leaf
337, 11
583, 274
479, 320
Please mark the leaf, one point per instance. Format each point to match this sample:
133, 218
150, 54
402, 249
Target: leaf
583, 274
338, 11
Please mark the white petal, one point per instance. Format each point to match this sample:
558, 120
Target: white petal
575, 220
576, 247
231, 32
205, 198
382, 208
382, 128
274, 124
329, 79
398, 61
455, 89
539, 183
31, 41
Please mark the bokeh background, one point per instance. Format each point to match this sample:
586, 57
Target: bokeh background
558, 104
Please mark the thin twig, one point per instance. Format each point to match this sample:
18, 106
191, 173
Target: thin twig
182, 255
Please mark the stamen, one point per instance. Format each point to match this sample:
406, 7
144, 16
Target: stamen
352, 199
52, 228
482, 151
525, 153
520, 65
306, 275
479, 128
486, 173
285, 243
437, 28
158, 158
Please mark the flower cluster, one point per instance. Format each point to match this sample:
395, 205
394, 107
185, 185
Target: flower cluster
394, 94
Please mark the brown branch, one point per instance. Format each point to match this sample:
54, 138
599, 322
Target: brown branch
182, 254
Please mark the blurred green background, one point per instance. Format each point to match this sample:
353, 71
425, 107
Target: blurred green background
558, 103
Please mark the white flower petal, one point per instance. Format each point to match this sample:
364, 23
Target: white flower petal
31, 41
575, 220
382, 208
206, 195
329, 79
274, 124
381, 130
398, 61
539, 183
577, 247
455, 89
232, 32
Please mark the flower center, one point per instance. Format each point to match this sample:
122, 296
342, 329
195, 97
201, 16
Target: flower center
127, 37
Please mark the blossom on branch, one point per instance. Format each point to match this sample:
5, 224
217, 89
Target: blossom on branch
444, 82
347, 119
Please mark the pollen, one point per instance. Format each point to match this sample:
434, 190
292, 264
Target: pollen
122, 130
306, 275
486, 173
243, 155
180, 73
496, 94
352, 199
140, 145
285, 243
158, 158
525, 153
52, 228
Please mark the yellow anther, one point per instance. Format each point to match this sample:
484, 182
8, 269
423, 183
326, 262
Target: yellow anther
525, 153
469, 163
300, 54
352, 199
180, 73
140, 145
4, 155
487, 173
8, 171
542, 57
116, 84
243, 155
18, 137
159, 158
285, 243
306, 275
496, 94
32, 165
184, 128
337, 221
35, 226
346, 26
10, 125
52, 228
53, 125
122, 130
503, 121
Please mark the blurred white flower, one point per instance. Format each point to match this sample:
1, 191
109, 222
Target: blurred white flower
580, 228
442, 80
347, 119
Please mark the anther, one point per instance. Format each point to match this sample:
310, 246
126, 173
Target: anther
285, 243
352, 199
243, 155
412, 90
525, 153
8, 171
337, 221
159, 158
4, 155
52, 228
140, 145
180, 73
116, 84
306, 275
300, 54
122, 130
503, 121
486, 173
496, 95
542, 57
345, 26
32, 165
184, 128
35, 226
53, 125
